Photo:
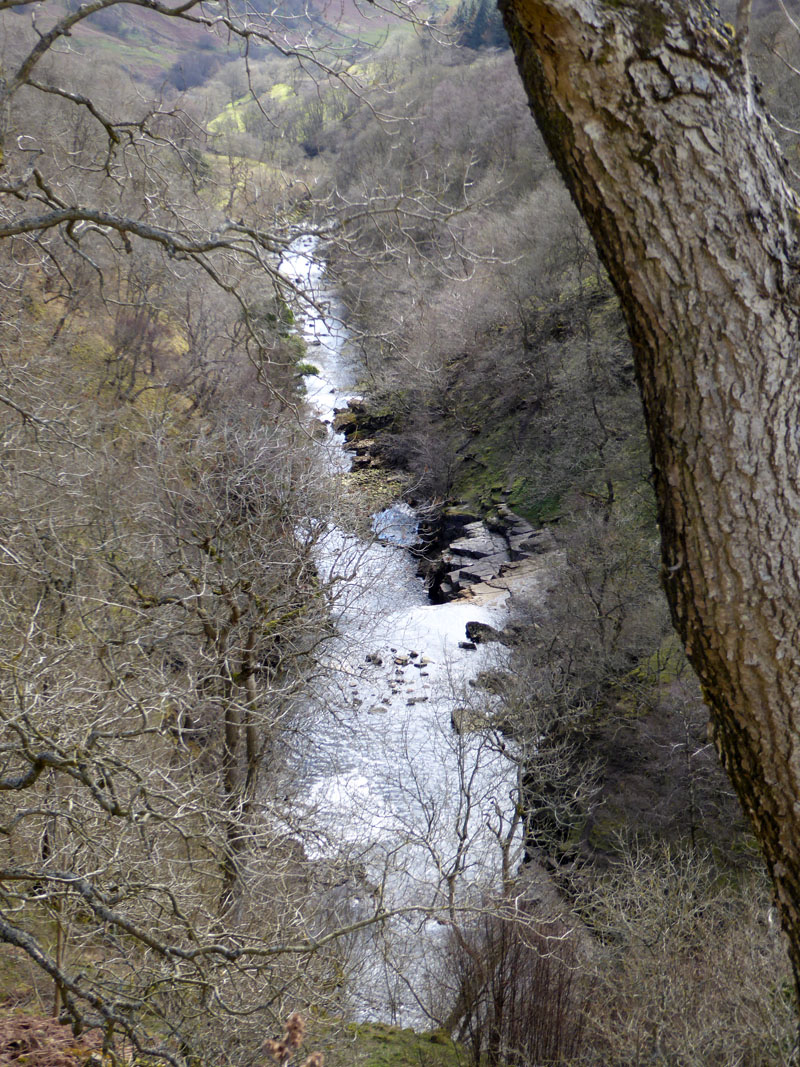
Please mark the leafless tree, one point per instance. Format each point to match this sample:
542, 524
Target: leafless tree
161, 613
674, 977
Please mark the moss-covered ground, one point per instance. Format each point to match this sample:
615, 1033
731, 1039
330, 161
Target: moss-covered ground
380, 1045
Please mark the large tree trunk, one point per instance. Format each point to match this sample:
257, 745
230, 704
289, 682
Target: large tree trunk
649, 115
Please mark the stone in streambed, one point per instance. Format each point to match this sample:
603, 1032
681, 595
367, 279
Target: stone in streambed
482, 633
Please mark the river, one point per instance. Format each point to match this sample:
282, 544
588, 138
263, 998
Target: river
416, 805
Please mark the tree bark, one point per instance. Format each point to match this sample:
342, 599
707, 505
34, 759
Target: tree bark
651, 118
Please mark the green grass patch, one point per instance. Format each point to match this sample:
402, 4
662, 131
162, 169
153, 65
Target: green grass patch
379, 1045
233, 115
230, 118
541, 509
281, 91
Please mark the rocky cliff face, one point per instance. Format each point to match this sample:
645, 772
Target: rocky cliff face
465, 555
486, 551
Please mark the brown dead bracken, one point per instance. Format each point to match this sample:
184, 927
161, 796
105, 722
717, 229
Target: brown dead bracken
36, 1041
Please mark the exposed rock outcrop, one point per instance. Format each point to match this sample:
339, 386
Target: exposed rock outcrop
463, 553
360, 425
476, 552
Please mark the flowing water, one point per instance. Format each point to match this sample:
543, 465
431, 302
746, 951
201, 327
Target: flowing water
417, 805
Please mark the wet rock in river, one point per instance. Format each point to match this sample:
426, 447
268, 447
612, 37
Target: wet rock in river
482, 633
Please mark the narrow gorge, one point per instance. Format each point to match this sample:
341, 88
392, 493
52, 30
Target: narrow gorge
399, 766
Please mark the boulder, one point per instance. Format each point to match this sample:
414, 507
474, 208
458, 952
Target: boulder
491, 681
344, 421
481, 633
474, 552
466, 720
360, 463
363, 447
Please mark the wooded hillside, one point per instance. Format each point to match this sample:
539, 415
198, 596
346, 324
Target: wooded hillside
167, 888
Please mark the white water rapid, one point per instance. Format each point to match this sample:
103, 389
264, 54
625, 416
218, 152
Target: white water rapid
417, 806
